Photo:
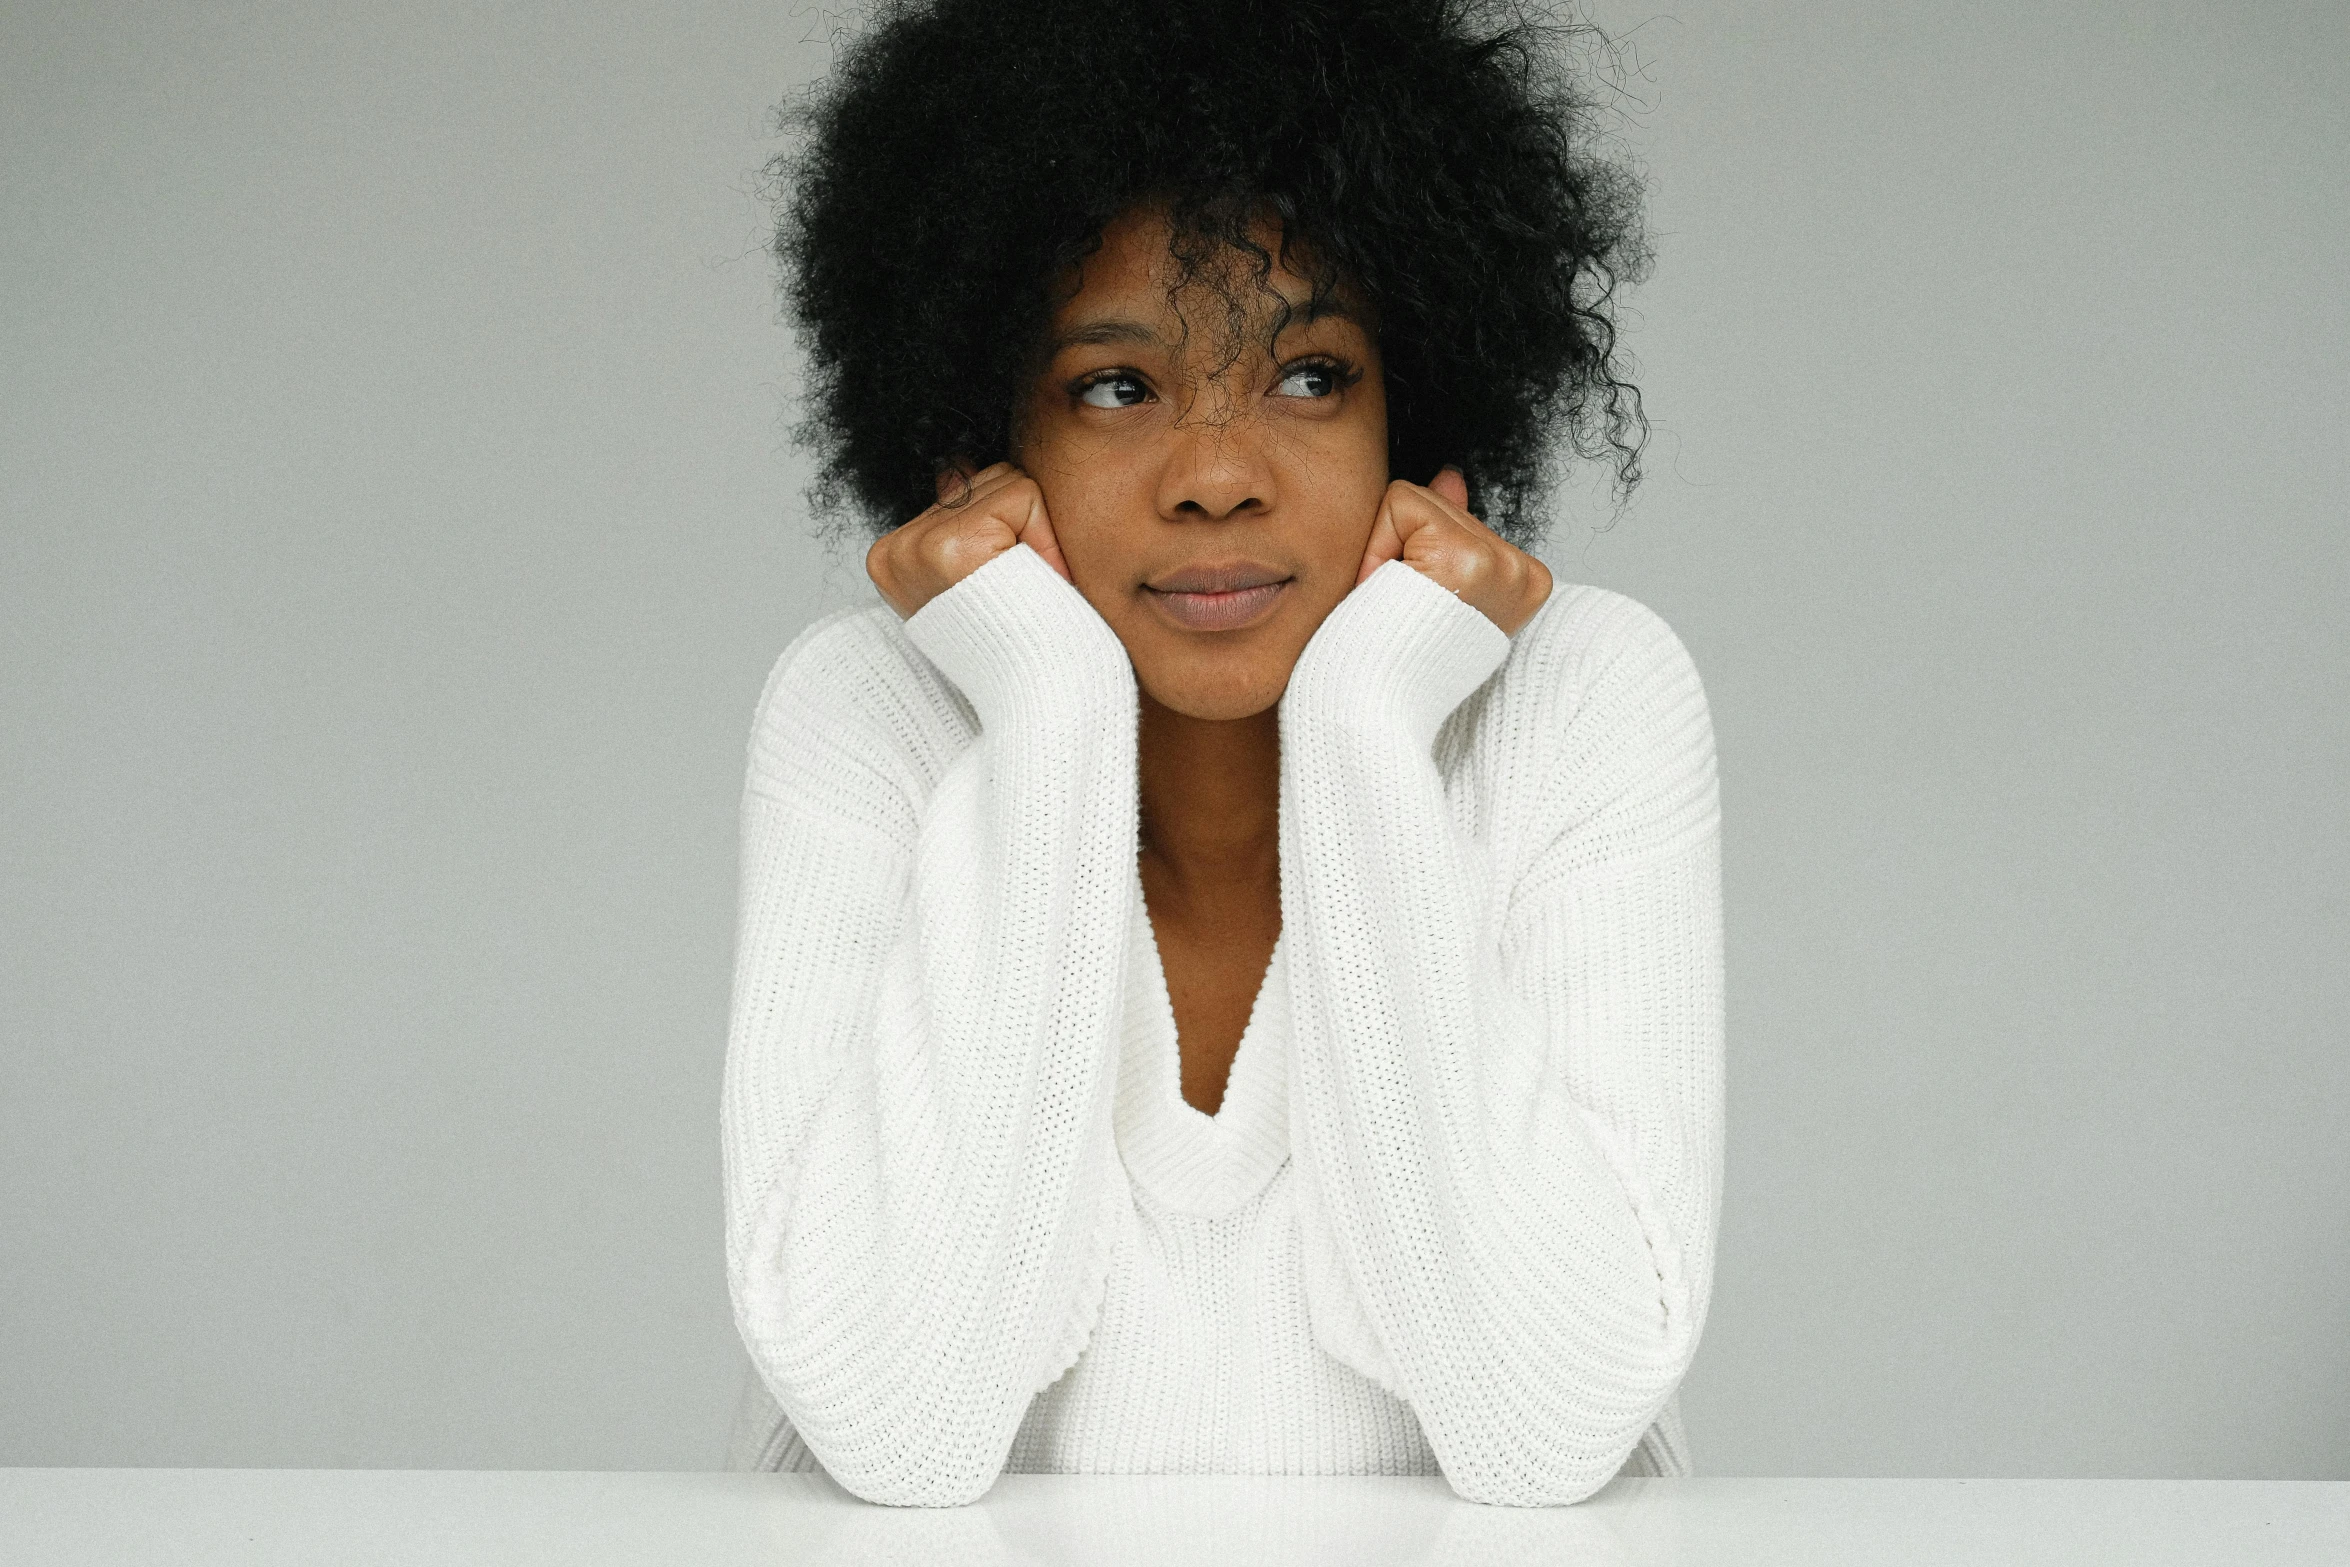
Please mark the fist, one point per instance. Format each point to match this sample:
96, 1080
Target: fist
1429, 528
977, 518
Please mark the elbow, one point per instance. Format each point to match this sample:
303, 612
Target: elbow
917, 1484
1553, 1435
883, 1456
900, 1431
1550, 1465
897, 1444
1562, 1490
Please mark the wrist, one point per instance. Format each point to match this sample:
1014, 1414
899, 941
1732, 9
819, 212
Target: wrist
1022, 644
1399, 649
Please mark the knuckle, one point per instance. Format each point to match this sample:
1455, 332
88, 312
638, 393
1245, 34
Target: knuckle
939, 550
958, 550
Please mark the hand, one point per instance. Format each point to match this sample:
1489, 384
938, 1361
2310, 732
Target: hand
976, 519
1429, 528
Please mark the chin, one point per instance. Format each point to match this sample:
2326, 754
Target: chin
1251, 693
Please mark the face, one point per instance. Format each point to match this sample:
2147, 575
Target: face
1212, 497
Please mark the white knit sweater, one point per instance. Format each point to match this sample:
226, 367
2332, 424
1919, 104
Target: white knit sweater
1457, 1211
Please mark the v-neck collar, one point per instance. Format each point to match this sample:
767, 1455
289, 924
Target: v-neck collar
1190, 1161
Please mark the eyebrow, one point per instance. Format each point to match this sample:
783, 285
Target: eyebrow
1328, 308
1107, 330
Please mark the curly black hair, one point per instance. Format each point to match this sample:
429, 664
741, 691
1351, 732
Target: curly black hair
1436, 157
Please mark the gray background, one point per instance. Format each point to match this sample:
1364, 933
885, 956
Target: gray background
399, 522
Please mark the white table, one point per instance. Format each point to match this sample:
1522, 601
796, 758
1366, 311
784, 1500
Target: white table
427, 1518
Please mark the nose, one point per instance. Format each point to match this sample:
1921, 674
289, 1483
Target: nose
1216, 468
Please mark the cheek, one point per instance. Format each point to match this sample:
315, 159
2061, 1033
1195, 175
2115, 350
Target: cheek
1093, 494
1339, 492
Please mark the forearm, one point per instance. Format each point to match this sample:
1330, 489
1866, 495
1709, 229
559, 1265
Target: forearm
919, 1266
1507, 1265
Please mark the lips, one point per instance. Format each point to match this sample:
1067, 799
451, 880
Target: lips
1226, 596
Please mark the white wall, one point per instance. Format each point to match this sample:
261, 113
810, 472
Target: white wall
399, 523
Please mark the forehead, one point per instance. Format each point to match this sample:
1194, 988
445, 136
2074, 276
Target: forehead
1137, 276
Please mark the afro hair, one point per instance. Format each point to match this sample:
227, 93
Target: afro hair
1436, 157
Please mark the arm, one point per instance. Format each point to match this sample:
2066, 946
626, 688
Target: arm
916, 1113
1507, 1104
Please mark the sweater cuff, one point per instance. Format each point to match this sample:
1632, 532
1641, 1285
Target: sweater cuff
1020, 642
1400, 645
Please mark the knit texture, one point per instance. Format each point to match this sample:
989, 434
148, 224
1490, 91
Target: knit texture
1457, 1211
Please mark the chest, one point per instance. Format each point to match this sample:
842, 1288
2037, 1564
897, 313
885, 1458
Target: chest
1212, 966
1192, 1161
1203, 1357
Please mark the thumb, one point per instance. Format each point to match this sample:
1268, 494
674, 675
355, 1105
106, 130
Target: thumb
1384, 545
1036, 531
1451, 487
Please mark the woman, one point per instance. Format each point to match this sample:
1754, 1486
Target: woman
1229, 971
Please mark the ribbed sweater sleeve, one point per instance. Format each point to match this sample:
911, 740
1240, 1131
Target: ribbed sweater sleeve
1507, 1096
916, 1118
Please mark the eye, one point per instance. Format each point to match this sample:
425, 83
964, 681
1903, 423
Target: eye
1112, 389
1312, 378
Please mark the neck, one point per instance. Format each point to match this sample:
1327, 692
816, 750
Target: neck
1210, 791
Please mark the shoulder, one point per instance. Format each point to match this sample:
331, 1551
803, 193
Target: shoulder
851, 686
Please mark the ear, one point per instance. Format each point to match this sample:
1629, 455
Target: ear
1451, 486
